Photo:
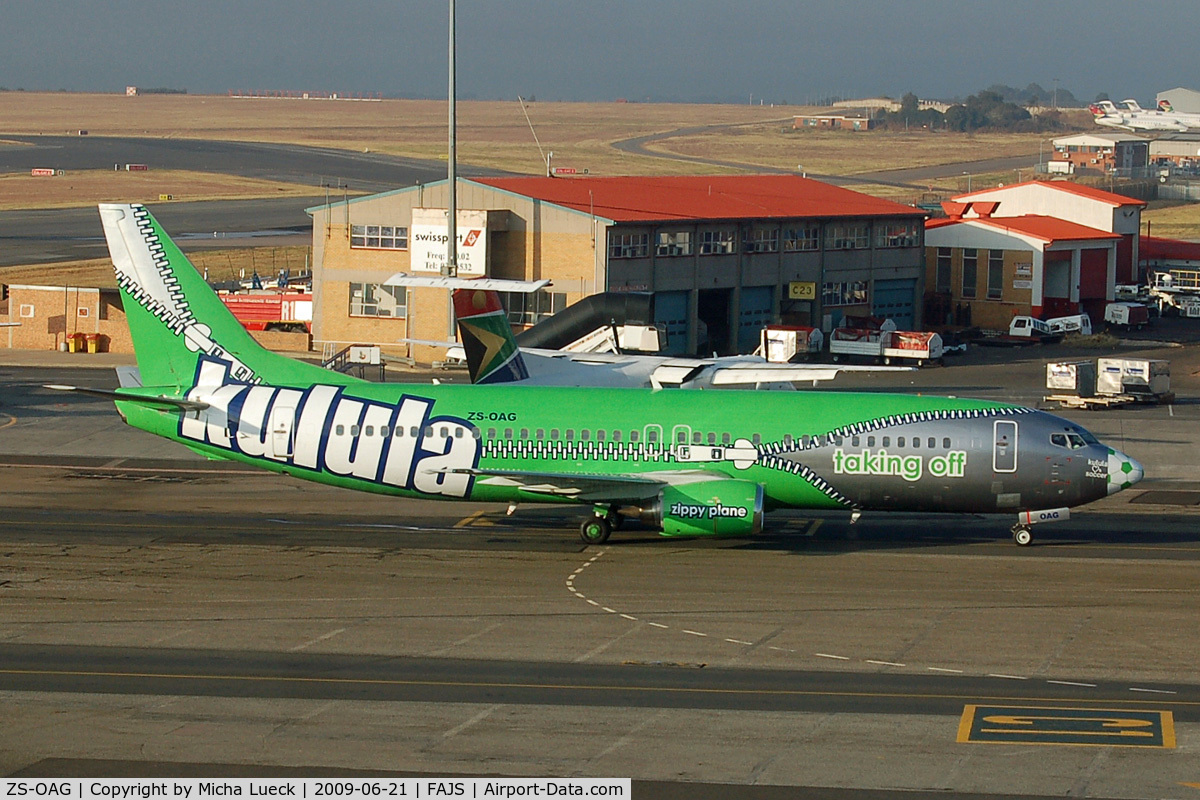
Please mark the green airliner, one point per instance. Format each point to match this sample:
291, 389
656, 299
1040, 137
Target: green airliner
689, 463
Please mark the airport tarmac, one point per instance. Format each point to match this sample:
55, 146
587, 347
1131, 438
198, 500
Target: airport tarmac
166, 615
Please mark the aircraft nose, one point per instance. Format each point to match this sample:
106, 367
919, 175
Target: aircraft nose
1123, 471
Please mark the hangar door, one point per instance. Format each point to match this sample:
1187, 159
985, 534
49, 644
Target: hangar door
753, 316
894, 299
671, 316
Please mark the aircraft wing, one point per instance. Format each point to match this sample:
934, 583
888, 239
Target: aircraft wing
751, 373
588, 488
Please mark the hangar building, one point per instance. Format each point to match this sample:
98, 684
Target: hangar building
723, 255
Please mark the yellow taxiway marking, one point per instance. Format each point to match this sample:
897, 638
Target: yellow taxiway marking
11, 421
572, 686
1191, 785
470, 520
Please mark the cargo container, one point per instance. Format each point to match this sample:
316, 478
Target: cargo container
780, 344
1143, 377
1075, 377
271, 311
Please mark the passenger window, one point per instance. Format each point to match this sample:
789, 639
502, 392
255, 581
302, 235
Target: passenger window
584, 435
458, 432
541, 433
491, 433
570, 434
756, 439
633, 436
932, 443
726, 438
445, 433
916, 443
838, 440
854, 441
354, 430
554, 433
428, 430
887, 441
899, 441
870, 441
370, 430
600, 435
476, 433
508, 433
946, 443
697, 437
413, 432
681, 437
616, 437
712, 438
787, 440
524, 433
340, 430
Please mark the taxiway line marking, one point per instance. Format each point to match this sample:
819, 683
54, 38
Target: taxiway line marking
566, 686
1151, 691
945, 669
657, 625
884, 663
1074, 683
1007, 677
11, 421
317, 640
469, 520
827, 655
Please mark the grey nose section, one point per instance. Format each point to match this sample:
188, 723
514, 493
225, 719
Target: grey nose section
1123, 471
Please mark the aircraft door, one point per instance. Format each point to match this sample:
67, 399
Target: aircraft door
283, 430
681, 437
1004, 446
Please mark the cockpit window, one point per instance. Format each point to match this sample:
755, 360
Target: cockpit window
1087, 437
1072, 441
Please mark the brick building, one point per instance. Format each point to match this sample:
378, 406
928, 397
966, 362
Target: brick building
723, 255
1101, 153
988, 268
49, 315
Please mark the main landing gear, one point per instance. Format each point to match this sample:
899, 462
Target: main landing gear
1022, 534
597, 528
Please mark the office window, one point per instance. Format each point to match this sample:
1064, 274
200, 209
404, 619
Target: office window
383, 237
673, 243
806, 237
716, 242
896, 234
849, 236
761, 240
628, 245
943, 270
970, 271
995, 287
844, 293
530, 308
377, 300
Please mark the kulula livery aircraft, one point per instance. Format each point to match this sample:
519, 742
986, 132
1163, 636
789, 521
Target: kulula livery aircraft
687, 462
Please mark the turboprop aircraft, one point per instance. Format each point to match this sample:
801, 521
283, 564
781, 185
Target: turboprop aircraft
688, 463
485, 331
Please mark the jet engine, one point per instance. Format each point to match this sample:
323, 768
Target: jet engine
707, 508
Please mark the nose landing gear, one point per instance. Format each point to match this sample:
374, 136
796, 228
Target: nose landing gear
1022, 534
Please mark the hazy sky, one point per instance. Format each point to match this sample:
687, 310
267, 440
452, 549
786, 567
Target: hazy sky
605, 49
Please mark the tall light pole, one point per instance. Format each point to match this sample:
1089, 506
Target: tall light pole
450, 268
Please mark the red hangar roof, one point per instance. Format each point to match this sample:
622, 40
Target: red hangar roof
1048, 229
651, 199
1064, 186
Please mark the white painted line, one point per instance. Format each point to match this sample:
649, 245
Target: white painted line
1171, 409
1074, 683
738, 641
693, 633
626, 616
593, 602
576, 572
320, 638
657, 625
943, 669
609, 610
1008, 677
885, 663
1151, 691
780, 649
827, 655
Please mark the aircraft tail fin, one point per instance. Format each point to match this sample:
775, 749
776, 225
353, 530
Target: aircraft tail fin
175, 319
1165, 105
492, 352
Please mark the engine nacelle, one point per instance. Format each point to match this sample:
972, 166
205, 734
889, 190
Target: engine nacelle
708, 508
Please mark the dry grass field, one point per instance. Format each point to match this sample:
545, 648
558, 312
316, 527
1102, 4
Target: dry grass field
222, 265
88, 187
495, 134
1173, 222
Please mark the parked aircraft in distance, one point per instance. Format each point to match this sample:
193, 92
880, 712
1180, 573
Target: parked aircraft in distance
688, 463
1190, 119
493, 356
1106, 114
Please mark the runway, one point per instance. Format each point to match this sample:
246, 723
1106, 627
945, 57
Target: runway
160, 614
